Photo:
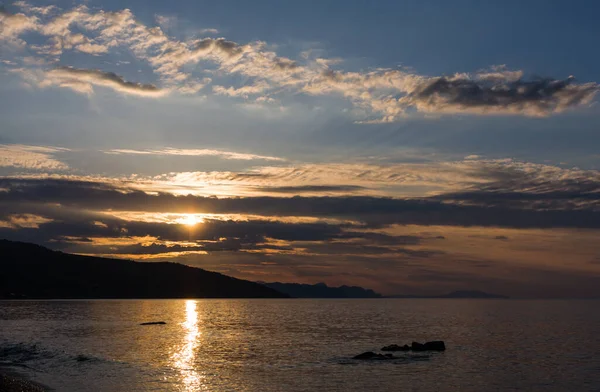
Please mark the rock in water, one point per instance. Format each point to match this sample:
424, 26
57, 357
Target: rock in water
395, 347
154, 323
366, 355
436, 345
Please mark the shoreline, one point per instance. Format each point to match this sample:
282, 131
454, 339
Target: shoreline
11, 381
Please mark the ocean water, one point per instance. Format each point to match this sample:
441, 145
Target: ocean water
302, 345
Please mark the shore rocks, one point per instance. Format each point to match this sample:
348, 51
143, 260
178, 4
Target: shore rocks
395, 347
436, 345
154, 323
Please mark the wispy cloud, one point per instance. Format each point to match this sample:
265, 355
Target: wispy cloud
19, 221
384, 95
84, 80
471, 193
461, 181
209, 31
166, 21
196, 152
31, 157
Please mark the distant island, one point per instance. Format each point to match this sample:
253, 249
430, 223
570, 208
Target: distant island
32, 271
321, 290
466, 294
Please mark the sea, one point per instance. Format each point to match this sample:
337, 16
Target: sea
302, 345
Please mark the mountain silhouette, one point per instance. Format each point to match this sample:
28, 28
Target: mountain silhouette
32, 271
321, 290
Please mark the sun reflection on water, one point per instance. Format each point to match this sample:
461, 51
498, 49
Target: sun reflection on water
183, 360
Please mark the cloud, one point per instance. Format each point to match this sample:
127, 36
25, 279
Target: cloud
13, 25
43, 10
214, 234
17, 221
84, 80
209, 31
166, 21
312, 189
245, 91
398, 180
499, 95
196, 152
380, 95
31, 157
92, 48
472, 209
508, 183
513, 184
75, 217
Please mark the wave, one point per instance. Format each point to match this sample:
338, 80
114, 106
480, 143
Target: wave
26, 355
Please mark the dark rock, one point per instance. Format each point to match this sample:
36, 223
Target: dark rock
395, 347
154, 323
436, 345
366, 355
371, 355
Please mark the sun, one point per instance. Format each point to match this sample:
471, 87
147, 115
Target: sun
190, 219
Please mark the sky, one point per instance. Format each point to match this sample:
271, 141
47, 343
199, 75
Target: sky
411, 147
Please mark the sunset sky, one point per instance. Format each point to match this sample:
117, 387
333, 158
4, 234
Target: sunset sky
405, 146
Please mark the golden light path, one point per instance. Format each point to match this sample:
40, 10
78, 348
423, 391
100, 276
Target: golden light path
183, 360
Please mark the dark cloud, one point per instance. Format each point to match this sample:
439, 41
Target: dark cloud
283, 64
141, 249
221, 45
312, 189
380, 238
61, 226
245, 231
534, 97
529, 187
67, 75
353, 248
454, 210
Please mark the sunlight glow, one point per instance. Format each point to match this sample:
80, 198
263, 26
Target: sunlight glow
190, 219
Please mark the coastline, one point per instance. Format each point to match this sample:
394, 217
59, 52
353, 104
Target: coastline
11, 381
